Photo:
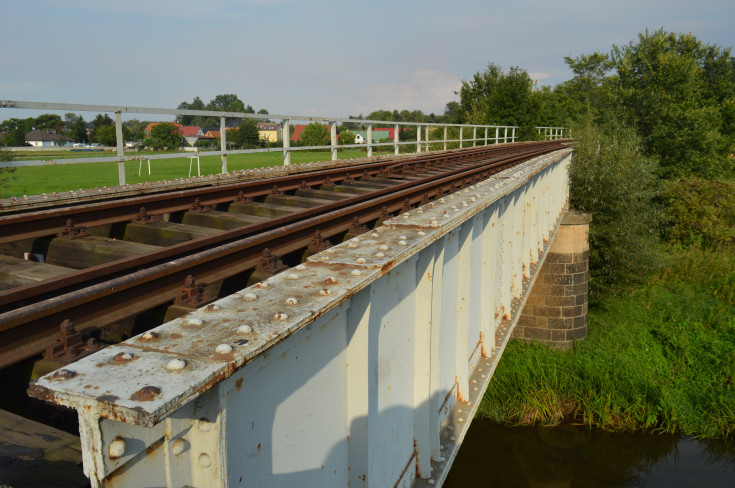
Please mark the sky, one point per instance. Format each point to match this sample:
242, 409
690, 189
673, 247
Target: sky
316, 57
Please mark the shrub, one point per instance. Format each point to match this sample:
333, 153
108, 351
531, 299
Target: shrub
610, 178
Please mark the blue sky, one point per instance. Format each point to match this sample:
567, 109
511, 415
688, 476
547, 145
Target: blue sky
312, 58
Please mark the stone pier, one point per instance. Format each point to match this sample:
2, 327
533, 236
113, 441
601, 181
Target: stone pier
556, 310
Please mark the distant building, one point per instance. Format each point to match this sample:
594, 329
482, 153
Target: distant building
50, 138
299, 129
379, 135
270, 132
153, 124
191, 134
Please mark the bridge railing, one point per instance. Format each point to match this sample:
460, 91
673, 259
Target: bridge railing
494, 134
362, 367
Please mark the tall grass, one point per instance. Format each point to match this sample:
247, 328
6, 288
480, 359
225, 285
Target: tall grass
661, 358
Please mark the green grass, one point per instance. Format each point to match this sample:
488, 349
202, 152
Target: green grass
661, 358
34, 180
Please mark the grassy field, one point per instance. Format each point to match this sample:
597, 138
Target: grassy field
660, 358
34, 180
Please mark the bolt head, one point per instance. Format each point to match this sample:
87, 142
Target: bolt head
117, 448
291, 301
244, 329
250, 297
194, 321
176, 365
223, 349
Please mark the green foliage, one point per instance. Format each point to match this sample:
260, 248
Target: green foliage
661, 358
346, 137
6, 173
76, 127
107, 135
315, 134
15, 131
679, 93
49, 122
495, 97
228, 102
246, 135
165, 134
610, 178
702, 212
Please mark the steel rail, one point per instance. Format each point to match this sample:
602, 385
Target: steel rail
25, 331
40, 223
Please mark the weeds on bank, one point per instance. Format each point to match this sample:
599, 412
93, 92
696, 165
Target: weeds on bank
660, 358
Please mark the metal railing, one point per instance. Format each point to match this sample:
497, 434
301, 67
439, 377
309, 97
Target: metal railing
494, 134
362, 367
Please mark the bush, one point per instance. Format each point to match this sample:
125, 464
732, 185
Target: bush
610, 178
6, 173
702, 212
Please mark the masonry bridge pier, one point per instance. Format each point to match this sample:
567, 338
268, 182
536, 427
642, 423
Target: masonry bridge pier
362, 367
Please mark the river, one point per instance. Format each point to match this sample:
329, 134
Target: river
572, 456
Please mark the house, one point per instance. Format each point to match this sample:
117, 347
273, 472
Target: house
378, 136
299, 129
191, 134
153, 124
39, 138
269, 131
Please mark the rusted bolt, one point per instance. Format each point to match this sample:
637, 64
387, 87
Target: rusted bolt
146, 394
212, 307
293, 276
194, 321
460, 419
374, 234
178, 446
62, 374
383, 247
330, 281
250, 297
122, 357
324, 258
379, 254
402, 243
280, 316
452, 438
262, 284
244, 329
176, 365
149, 336
223, 349
356, 272
422, 233
360, 261
117, 448
324, 292
291, 301
300, 267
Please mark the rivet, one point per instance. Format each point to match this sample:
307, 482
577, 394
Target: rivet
434, 222
204, 425
212, 307
352, 245
356, 272
460, 419
419, 211
360, 260
422, 233
280, 316
176, 365
475, 388
178, 446
403, 238
431, 481
355, 239
122, 357
454, 207
383, 247
464, 204
117, 448
482, 376
223, 349
331, 280
374, 234
293, 276
250, 297
452, 438
379, 255
300, 267
406, 216
456, 210
244, 329
442, 459
324, 292
146, 394
204, 460
402, 243
62, 374
324, 258
195, 321
474, 381
291, 301
262, 284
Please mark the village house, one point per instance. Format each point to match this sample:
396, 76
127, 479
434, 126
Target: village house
39, 138
269, 131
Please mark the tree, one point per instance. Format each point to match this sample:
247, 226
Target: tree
5, 173
246, 135
315, 134
107, 135
452, 113
166, 134
49, 122
101, 120
495, 97
15, 131
680, 95
136, 129
346, 137
196, 104
76, 127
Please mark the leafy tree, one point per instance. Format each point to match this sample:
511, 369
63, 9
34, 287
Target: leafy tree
263, 111
49, 122
680, 95
101, 120
136, 129
315, 134
452, 113
107, 135
166, 134
495, 97
6, 173
346, 137
246, 135
196, 104
76, 127
15, 131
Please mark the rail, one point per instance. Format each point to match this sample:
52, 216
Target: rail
362, 367
423, 142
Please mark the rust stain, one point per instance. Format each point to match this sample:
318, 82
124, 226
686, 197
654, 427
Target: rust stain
238, 385
108, 398
175, 335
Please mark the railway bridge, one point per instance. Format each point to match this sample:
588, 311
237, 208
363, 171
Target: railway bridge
360, 364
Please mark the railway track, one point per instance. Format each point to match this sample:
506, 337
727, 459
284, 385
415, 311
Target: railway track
109, 269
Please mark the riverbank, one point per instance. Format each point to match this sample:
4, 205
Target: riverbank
661, 358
